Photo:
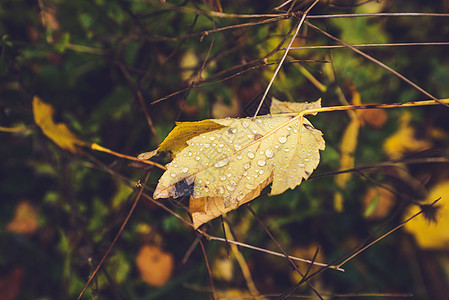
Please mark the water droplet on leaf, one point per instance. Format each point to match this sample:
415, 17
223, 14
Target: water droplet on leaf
282, 139
222, 162
269, 153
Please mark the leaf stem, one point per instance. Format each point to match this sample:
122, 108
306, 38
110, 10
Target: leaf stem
97, 147
373, 106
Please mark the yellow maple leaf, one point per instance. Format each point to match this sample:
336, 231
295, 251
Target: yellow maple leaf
57, 132
432, 235
230, 165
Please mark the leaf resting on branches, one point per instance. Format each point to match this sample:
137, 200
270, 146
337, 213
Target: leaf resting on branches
224, 163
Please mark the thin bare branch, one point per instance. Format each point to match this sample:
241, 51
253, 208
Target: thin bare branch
374, 106
282, 249
426, 160
224, 15
378, 62
283, 58
286, 15
206, 83
115, 238
282, 5
211, 279
147, 115
384, 235
190, 250
378, 15
203, 66
296, 296
207, 32
139, 95
214, 238
158, 203
371, 45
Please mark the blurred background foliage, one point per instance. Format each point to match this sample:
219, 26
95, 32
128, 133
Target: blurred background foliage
101, 64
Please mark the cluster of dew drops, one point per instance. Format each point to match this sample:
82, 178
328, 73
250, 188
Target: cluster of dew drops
218, 145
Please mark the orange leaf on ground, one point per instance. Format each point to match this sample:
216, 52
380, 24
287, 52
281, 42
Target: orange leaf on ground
375, 118
155, 265
25, 219
377, 203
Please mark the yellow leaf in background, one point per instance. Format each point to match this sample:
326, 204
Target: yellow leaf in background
57, 132
25, 219
432, 235
223, 267
228, 166
189, 62
347, 148
404, 140
155, 265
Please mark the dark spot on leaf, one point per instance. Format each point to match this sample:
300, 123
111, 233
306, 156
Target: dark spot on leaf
307, 173
308, 126
257, 136
182, 188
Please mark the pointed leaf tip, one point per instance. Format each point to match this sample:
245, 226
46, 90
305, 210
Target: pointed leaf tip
279, 107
